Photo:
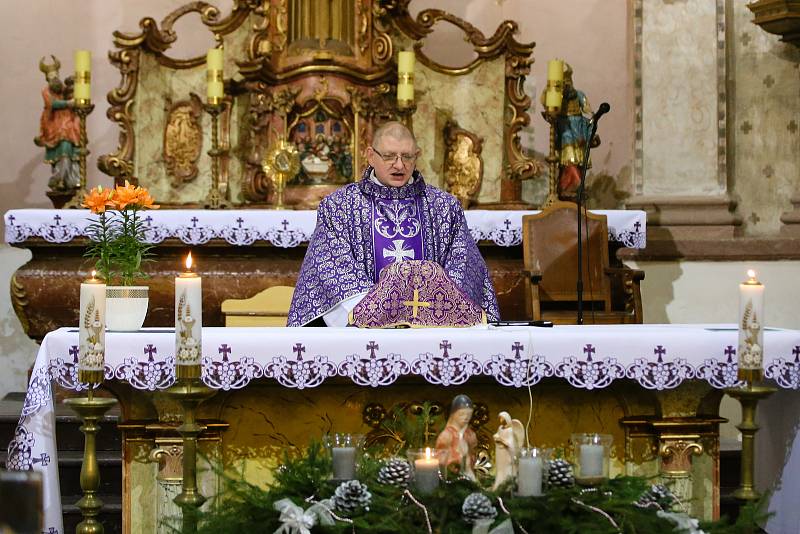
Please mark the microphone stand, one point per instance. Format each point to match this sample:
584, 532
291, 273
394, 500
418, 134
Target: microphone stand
580, 200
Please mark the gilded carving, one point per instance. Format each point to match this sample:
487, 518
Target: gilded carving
676, 454
518, 59
183, 140
463, 166
169, 456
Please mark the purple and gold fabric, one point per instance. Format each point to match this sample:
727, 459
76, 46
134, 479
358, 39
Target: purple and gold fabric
416, 294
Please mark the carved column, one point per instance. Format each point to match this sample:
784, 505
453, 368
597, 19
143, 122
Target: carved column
676, 453
168, 453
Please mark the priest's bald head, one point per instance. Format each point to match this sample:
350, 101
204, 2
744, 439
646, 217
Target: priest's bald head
393, 154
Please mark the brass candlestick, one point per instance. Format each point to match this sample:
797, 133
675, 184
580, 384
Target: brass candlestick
405, 112
82, 108
215, 200
748, 396
190, 393
90, 410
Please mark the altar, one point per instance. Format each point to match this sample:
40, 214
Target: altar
247, 250
655, 388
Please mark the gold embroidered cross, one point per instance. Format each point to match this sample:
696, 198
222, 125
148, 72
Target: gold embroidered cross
416, 303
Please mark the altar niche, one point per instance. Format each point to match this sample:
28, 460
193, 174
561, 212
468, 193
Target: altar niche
321, 75
249, 430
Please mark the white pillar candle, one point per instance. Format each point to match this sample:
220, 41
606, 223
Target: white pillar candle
344, 463
529, 476
426, 473
92, 330
591, 460
751, 328
188, 322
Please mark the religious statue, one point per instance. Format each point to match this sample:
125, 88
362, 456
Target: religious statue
59, 129
507, 443
457, 442
573, 128
390, 215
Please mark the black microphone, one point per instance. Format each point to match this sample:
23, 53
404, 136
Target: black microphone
602, 110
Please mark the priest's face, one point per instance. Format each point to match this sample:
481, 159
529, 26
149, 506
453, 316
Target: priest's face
393, 160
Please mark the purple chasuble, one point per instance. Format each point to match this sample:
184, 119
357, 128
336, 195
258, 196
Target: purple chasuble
344, 255
396, 231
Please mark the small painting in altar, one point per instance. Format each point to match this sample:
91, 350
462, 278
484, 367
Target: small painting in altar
325, 152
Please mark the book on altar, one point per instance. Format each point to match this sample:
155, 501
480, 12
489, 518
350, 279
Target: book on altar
416, 294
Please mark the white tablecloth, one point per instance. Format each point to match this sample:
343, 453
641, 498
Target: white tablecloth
280, 228
590, 357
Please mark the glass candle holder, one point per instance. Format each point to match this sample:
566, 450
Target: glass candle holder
592, 453
531, 470
426, 469
344, 449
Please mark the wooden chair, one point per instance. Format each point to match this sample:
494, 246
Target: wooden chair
610, 295
267, 308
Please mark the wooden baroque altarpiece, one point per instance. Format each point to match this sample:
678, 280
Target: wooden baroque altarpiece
321, 74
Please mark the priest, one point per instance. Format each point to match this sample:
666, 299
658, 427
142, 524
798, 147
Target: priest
390, 215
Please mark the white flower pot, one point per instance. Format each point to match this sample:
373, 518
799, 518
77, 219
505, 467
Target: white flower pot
126, 308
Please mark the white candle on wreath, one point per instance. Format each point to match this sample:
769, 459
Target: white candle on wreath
92, 330
751, 328
426, 472
188, 317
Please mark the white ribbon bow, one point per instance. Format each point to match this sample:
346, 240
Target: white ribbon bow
298, 521
482, 527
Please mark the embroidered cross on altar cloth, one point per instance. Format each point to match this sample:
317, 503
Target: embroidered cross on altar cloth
416, 294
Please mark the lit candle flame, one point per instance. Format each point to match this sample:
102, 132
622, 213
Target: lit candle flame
189, 262
427, 453
751, 275
94, 274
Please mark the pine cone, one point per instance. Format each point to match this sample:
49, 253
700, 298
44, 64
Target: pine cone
351, 496
395, 472
658, 496
559, 474
477, 506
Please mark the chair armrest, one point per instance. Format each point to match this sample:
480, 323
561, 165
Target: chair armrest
636, 275
533, 276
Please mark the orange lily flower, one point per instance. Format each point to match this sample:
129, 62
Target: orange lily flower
98, 199
125, 195
145, 200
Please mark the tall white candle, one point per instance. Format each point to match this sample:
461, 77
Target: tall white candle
92, 330
529, 476
751, 328
426, 473
188, 322
591, 459
344, 463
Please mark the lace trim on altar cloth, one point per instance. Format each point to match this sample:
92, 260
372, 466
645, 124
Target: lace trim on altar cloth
285, 232
440, 366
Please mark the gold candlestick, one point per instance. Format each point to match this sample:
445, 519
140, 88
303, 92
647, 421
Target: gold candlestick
215, 200
405, 113
82, 108
748, 396
90, 410
190, 393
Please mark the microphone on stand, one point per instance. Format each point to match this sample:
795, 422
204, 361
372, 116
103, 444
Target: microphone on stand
579, 201
602, 110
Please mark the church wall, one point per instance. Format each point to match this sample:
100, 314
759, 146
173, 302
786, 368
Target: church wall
764, 127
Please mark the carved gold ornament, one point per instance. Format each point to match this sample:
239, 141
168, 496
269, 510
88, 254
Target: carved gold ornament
463, 166
183, 140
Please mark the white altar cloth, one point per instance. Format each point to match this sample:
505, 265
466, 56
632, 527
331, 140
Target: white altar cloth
281, 228
590, 357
